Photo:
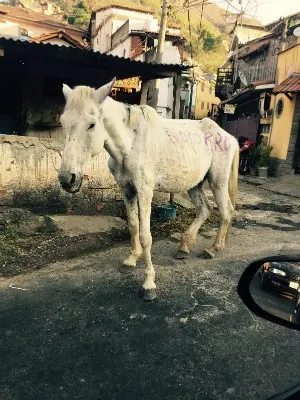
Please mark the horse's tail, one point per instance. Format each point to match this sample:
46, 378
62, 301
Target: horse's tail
233, 185
233, 179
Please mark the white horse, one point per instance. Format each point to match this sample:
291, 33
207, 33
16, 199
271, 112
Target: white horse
147, 153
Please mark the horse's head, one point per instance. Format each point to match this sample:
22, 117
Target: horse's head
82, 122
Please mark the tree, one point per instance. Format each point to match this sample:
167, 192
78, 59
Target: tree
79, 15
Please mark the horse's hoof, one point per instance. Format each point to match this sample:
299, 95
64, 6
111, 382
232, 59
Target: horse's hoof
208, 253
148, 294
181, 255
126, 269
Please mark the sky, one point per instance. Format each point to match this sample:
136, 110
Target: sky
267, 10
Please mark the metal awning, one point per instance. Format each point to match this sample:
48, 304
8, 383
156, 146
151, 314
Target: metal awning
121, 68
250, 92
289, 85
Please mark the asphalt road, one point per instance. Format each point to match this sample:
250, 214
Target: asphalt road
80, 331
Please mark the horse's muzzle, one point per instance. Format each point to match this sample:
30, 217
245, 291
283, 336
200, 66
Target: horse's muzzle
71, 183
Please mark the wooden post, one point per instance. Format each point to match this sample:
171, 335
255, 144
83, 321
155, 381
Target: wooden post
177, 92
176, 108
191, 100
144, 92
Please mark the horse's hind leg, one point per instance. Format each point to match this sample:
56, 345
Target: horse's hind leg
203, 210
133, 223
226, 210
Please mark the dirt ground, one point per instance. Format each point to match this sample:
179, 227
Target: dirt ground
25, 250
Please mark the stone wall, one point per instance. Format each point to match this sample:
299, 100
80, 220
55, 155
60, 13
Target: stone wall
28, 176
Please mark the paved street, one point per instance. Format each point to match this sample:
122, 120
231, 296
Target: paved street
80, 331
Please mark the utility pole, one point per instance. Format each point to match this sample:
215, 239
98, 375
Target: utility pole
154, 87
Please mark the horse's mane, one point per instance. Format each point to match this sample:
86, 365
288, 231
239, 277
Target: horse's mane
147, 113
137, 113
79, 95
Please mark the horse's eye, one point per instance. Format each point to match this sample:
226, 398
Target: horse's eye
91, 126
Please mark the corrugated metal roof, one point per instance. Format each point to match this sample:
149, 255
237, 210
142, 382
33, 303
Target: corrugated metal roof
289, 85
252, 48
119, 67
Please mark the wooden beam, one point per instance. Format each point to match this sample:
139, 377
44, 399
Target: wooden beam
144, 92
177, 92
289, 96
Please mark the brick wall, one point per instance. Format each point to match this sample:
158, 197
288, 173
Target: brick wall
136, 46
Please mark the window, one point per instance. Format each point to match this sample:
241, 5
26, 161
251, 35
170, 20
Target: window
202, 87
210, 90
202, 105
208, 106
124, 53
279, 108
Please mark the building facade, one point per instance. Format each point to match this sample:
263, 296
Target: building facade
260, 82
133, 33
206, 100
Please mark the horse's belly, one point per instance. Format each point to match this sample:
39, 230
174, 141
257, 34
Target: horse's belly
180, 175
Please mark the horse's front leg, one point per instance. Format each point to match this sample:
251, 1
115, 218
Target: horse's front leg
133, 223
144, 203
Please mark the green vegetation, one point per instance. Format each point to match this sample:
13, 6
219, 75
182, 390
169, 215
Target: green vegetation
79, 15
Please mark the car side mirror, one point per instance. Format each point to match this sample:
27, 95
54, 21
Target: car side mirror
270, 288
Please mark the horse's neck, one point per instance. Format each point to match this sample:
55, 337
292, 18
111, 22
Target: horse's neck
119, 140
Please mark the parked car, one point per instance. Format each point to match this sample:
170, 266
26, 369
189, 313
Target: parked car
282, 277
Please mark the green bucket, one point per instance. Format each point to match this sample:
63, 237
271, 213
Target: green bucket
166, 212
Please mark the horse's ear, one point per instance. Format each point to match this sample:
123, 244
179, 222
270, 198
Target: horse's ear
103, 91
66, 91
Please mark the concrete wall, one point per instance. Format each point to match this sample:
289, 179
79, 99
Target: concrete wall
281, 130
123, 49
32, 163
247, 33
281, 127
57, 42
9, 29
29, 168
288, 63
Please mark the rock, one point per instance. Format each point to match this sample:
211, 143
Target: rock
184, 320
75, 225
176, 236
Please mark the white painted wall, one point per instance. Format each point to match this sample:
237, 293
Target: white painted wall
123, 50
9, 29
57, 42
171, 54
113, 19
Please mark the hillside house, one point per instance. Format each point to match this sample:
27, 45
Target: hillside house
132, 33
24, 24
